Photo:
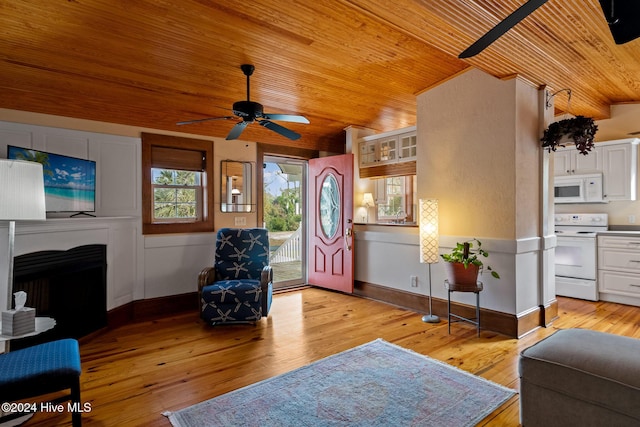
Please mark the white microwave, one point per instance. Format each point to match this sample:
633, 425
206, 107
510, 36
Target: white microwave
578, 188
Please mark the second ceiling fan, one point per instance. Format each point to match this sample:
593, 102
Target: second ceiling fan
252, 112
623, 17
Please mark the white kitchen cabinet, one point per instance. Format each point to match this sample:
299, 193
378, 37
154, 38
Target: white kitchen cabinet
616, 160
378, 152
408, 147
389, 147
569, 161
619, 268
619, 166
368, 153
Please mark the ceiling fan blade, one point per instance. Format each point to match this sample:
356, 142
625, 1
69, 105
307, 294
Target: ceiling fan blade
622, 17
280, 129
188, 122
504, 26
286, 118
237, 130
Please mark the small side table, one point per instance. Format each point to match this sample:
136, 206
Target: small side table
43, 324
454, 287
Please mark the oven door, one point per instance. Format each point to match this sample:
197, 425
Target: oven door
576, 257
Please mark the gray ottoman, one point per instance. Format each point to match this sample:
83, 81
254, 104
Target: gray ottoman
578, 377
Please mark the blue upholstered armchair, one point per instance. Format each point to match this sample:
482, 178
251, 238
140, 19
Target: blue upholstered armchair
238, 288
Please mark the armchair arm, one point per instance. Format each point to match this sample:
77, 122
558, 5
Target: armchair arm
266, 280
207, 275
266, 276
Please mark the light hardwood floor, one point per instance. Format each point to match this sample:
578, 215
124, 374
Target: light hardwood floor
134, 373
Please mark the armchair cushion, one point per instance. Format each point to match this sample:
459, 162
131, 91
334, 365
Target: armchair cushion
232, 300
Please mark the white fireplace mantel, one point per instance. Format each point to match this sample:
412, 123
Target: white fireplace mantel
119, 234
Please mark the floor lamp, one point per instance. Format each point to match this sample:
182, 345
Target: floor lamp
429, 244
21, 199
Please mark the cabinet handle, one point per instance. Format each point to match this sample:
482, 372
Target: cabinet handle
633, 285
634, 260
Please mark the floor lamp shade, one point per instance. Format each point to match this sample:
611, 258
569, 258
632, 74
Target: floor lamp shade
21, 199
429, 231
21, 191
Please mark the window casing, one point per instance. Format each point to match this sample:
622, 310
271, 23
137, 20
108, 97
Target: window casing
177, 192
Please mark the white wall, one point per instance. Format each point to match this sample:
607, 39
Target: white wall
156, 266
478, 154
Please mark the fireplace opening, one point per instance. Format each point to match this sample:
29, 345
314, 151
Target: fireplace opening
69, 286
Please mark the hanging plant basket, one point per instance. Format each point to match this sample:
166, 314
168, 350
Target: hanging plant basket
580, 130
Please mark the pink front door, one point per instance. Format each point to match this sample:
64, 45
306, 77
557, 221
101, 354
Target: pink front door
331, 239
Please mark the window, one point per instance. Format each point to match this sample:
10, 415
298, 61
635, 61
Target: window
177, 195
177, 192
395, 198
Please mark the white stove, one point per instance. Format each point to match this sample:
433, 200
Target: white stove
586, 225
575, 259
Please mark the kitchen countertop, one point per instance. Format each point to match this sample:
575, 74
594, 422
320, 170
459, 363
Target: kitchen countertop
623, 233
388, 224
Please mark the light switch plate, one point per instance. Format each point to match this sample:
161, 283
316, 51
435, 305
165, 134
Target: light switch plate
240, 220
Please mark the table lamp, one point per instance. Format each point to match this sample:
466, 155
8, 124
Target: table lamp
367, 200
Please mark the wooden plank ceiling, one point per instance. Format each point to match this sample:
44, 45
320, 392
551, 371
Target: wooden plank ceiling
339, 62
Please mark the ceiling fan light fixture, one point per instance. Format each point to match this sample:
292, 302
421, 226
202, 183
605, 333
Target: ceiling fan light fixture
249, 112
623, 17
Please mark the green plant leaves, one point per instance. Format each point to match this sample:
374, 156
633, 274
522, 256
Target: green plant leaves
464, 253
580, 129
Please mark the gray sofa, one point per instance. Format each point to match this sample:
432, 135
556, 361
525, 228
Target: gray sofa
579, 377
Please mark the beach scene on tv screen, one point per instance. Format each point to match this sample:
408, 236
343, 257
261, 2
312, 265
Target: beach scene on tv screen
69, 183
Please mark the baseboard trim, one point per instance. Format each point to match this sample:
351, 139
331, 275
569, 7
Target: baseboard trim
549, 313
148, 309
504, 323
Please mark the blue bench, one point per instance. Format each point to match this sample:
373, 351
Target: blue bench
42, 369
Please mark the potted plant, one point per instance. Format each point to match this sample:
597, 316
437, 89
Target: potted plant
464, 263
580, 130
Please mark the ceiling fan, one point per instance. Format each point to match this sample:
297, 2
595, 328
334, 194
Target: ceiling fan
623, 17
252, 112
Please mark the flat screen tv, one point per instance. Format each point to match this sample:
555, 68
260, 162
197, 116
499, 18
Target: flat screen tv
69, 182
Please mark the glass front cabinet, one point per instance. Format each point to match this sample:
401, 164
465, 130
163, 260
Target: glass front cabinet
390, 147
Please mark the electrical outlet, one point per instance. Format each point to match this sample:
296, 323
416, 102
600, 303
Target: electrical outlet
240, 220
414, 281
632, 219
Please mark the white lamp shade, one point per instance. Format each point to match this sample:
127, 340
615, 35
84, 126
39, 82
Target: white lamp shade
429, 231
21, 191
367, 199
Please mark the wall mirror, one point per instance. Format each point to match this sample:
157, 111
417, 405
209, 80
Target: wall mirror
235, 186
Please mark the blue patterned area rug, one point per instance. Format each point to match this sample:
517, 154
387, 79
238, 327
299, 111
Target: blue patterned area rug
375, 384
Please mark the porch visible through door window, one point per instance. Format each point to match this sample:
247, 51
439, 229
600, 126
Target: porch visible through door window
284, 201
